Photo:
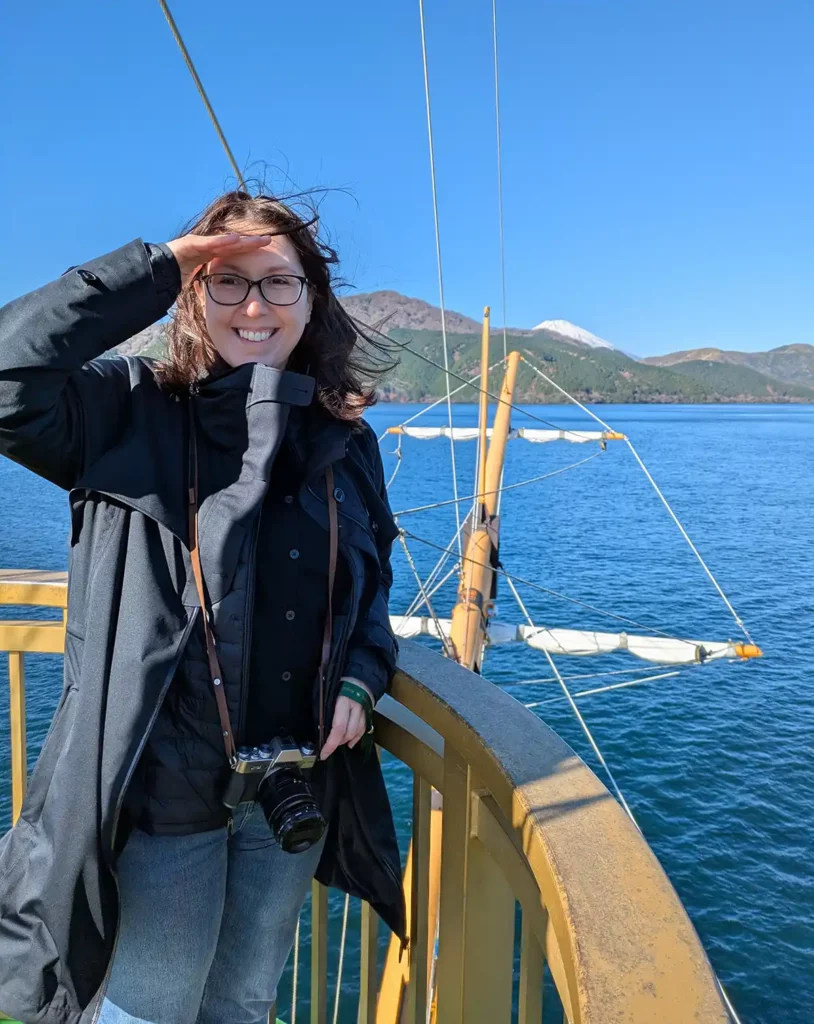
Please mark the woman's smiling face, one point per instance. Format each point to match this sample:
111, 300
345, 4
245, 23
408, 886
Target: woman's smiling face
255, 330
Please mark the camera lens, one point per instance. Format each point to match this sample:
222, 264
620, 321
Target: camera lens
290, 810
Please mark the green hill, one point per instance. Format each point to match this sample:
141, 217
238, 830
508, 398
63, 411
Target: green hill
590, 374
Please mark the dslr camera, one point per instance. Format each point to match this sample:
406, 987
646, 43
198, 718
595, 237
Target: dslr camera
273, 775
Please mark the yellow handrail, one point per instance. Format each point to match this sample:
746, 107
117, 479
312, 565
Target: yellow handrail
525, 822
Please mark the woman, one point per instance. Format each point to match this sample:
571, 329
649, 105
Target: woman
239, 475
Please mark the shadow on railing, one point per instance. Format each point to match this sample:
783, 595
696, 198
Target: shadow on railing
525, 824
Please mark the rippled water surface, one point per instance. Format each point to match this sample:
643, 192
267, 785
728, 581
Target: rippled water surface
716, 762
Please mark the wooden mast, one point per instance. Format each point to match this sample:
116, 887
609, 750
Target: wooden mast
467, 635
470, 614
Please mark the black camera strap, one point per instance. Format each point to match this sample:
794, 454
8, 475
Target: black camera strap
195, 557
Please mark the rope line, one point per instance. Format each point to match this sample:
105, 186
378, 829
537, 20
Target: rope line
199, 84
577, 713
693, 548
605, 689
585, 675
544, 590
499, 176
658, 491
499, 490
438, 401
441, 635
495, 398
438, 259
567, 394
418, 600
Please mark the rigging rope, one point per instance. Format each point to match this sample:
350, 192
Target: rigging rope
438, 259
500, 490
441, 635
693, 548
544, 590
605, 689
196, 79
604, 764
584, 675
577, 712
418, 600
657, 489
499, 176
438, 401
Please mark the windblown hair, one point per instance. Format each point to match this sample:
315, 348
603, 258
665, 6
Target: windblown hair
345, 357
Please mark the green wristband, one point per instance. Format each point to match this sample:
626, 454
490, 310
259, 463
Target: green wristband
360, 695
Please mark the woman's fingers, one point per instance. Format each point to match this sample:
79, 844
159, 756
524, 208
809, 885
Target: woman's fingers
348, 726
193, 251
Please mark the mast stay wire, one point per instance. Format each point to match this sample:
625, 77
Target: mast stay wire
440, 265
499, 490
658, 491
199, 84
443, 398
576, 711
544, 590
609, 773
499, 176
446, 642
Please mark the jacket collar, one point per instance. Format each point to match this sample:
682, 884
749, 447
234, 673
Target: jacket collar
240, 417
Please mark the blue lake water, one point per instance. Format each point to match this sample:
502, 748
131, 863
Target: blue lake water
717, 763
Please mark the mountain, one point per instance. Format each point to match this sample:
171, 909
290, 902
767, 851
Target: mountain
793, 364
390, 310
565, 329
585, 365
590, 374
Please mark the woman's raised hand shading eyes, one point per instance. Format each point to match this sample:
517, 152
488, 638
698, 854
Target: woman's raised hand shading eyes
194, 251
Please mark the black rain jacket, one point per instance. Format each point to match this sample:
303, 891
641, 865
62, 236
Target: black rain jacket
102, 429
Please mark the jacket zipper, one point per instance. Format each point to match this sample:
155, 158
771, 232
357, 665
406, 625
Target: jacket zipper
247, 633
120, 798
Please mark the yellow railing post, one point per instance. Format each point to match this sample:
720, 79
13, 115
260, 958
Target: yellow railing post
368, 981
16, 677
319, 954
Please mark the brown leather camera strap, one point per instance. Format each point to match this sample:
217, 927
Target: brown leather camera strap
195, 557
333, 530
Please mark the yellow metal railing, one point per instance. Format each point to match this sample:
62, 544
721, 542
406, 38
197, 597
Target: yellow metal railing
525, 823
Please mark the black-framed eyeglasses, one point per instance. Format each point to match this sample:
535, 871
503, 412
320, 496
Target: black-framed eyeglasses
276, 289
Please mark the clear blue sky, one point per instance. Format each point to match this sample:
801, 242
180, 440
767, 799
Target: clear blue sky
658, 156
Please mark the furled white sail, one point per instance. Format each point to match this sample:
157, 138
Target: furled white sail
574, 436
527, 433
660, 649
409, 626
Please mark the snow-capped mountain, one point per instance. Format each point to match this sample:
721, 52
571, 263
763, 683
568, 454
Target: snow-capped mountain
573, 333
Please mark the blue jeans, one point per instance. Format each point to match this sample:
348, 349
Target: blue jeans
207, 923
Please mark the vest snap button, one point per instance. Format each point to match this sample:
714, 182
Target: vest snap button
289, 615
339, 494
286, 676
293, 553
288, 499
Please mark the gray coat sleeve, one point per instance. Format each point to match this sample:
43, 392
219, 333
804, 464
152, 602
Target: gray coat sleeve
61, 406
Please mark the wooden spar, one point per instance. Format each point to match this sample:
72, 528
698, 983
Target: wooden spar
469, 616
483, 415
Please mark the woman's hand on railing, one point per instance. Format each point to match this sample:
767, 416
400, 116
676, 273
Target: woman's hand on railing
194, 251
349, 723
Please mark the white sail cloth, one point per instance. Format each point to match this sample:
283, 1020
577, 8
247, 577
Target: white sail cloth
528, 434
660, 649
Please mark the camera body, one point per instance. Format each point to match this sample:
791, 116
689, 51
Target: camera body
272, 774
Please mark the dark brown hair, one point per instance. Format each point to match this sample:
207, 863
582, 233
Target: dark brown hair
344, 356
